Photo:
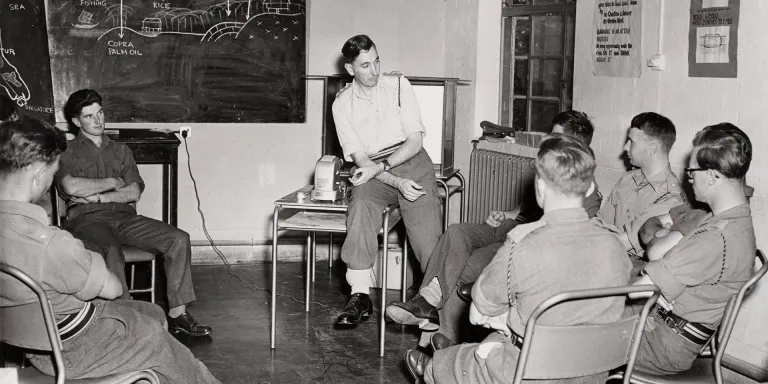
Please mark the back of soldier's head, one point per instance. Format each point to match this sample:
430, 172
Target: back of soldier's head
576, 124
26, 141
656, 127
725, 148
564, 163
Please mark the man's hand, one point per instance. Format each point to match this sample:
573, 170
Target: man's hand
410, 190
495, 218
499, 323
663, 231
363, 174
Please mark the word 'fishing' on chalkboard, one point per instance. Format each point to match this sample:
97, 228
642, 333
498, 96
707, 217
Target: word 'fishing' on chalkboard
182, 60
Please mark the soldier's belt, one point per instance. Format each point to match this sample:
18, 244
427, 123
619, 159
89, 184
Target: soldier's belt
73, 324
694, 332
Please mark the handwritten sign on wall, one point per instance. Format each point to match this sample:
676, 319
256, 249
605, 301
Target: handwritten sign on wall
713, 38
617, 41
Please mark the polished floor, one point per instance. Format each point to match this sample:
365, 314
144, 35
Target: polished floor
309, 349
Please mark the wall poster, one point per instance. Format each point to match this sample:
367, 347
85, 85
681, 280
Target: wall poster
713, 38
618, 38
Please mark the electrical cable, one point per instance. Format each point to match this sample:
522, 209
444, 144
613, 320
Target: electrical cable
213, 244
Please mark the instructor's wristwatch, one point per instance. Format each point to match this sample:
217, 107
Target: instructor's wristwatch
387, 167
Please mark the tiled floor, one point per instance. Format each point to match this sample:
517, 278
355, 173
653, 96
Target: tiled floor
309, 349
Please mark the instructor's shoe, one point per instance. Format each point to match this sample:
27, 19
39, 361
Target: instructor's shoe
416, 363
358, 309
439, 341
416, 311
185, 323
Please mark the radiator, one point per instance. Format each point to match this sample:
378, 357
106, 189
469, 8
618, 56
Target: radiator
497, 182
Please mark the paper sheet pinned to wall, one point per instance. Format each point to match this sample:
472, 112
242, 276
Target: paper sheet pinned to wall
713, 38
617, 38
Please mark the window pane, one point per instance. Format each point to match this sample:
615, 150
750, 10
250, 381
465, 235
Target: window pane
522, 36
547, 35
521, 77
543, 2
512, 3
546, 78
542, 113
519, 115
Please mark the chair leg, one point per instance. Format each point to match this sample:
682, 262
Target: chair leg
403, 282
330, 250
309, 272
133, 273
152, 282
314, 254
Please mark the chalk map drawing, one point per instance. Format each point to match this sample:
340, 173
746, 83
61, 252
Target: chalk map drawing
14, 85
184, 60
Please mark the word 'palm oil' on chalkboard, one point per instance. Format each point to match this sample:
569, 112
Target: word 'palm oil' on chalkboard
24, 66
183, 60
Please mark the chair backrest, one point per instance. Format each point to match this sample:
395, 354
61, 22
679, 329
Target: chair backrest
557, 352
731, 313
50, 323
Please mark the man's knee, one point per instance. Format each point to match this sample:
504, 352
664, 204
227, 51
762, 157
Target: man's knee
179, 237
456, 231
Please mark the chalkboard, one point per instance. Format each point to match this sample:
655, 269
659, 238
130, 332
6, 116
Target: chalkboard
25, 68
220, 61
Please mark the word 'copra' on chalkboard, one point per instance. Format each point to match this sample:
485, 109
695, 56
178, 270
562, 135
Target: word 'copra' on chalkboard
183, 60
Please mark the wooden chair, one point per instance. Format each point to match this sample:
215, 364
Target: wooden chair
12, 332
132, 255
705, 369
559, 352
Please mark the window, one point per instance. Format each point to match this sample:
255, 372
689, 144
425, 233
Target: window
537, 62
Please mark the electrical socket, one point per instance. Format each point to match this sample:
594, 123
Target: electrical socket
187, 129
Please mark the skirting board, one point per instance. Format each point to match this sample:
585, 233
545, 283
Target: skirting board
247, 254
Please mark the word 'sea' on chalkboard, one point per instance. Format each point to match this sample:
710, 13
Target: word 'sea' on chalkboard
24, 65
228, 61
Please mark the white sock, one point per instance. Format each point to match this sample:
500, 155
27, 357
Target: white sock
361, 280
432, 292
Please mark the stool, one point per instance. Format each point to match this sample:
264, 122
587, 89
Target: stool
135, 255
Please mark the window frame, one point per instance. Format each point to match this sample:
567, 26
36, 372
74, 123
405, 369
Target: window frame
566, 58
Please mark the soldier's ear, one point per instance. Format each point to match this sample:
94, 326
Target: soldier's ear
76, 122
653, 147
591, 189
348, 67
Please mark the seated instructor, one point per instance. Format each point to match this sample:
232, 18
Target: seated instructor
699, 259
99, 336
466, 248
99, 180
565, 250
379, 127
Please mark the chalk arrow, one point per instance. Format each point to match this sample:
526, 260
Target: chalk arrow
121, 20
228, 11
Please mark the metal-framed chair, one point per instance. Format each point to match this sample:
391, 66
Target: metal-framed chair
558, 352
132, 255
705, 369
51, 341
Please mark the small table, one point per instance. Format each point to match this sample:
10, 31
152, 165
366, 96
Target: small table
327, 216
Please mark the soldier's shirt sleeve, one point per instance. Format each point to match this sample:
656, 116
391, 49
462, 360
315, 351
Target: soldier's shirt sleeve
66, 167
410, 115
348, 139
695, 260
72, 269
608, 211
490, 292
130, 172
662, 205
